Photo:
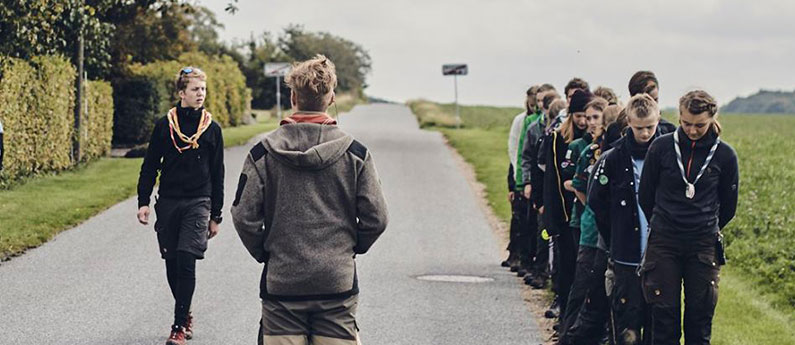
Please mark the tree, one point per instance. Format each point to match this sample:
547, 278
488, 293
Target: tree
352, 61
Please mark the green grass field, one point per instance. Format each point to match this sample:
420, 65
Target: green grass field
757, 298
35, 210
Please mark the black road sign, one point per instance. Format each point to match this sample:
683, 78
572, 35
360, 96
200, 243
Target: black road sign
454, 69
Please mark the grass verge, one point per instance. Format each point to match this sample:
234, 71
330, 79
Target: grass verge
754, 305
34, 211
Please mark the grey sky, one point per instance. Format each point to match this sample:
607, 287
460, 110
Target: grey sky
727, 47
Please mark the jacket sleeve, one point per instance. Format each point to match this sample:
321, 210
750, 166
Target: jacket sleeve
371, 209
513, 139
511, 181
728, 189
217, 175
150, 167
527, 156
537, 175
599, 197
248, 211
649, 178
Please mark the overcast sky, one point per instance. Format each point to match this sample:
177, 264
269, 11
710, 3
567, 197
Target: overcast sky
728, 47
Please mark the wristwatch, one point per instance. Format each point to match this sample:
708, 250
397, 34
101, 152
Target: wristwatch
217, 219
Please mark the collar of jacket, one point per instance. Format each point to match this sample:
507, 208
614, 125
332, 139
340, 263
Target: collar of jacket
705, 142
309, 117
635, 149
190, 113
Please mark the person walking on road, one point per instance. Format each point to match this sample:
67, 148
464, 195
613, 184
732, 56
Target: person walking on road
688, 192
187, 150
308, 201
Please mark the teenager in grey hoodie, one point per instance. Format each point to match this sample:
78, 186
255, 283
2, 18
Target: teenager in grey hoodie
308, 200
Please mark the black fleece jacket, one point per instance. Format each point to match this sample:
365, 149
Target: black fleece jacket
662, 191
192, 173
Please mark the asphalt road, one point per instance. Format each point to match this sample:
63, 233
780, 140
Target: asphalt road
103, 282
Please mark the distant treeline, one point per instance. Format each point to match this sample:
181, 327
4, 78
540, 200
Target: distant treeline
763, 102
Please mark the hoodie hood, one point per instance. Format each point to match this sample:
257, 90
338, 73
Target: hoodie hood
307, 146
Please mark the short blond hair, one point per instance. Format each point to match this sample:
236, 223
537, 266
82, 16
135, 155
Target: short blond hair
313, 81
642, 105
606, 93
611, 113
186, 74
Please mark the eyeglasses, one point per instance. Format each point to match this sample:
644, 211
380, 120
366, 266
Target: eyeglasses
186, 70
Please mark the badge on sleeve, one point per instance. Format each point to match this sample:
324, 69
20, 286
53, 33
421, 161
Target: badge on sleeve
603, 179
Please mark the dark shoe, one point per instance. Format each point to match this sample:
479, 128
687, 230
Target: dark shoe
553, 311
189, 327
177, 336
505, 263
539, 282
521, 272
515, 265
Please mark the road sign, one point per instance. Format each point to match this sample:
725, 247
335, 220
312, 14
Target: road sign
277, 69
454, 69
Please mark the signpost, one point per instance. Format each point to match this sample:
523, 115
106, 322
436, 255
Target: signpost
455, 70
278, 70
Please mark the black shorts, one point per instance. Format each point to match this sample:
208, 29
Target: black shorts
182, 225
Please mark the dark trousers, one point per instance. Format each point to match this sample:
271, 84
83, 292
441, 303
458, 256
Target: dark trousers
566, 257
587, 309
541, 263
523, 219
629, 311
671, 260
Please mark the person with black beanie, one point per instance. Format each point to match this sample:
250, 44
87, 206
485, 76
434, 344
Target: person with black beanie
187, 150
557, 200
688, 193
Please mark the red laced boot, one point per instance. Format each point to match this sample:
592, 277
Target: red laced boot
177, 336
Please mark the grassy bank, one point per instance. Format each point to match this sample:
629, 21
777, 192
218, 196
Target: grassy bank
34, 211
756, 299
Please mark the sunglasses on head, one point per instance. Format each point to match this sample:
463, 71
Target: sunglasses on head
186, 70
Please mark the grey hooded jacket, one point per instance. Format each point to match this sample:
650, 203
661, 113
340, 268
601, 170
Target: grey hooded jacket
308, 200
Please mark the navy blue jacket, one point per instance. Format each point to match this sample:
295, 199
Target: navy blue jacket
612, 199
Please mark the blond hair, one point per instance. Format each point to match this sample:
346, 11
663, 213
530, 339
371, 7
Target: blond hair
699, 101
185, 75
642, 105
556, 106
313, 81
607, 94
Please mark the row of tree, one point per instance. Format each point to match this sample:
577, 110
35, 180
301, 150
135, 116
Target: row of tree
119, 34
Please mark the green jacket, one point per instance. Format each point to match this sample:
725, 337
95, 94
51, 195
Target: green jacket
569, 166
589, 234
518, 176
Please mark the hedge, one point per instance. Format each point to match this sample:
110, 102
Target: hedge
96, 125
147, 92
37, 111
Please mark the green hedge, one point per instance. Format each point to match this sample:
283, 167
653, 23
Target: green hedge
37, 111
148, 92
96, 125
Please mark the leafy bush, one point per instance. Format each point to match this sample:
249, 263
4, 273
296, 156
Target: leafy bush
96, 126
37, 111
148, 92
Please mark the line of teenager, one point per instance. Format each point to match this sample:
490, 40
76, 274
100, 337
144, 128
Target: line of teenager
588, 181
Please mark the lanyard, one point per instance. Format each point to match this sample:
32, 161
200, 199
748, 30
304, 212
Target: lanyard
690, 192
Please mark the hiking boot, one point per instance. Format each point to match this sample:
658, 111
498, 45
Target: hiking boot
507, 262
554, 310
515, 265
177, 336
189, 327
521, 272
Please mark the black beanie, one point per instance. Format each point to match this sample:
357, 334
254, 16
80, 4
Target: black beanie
579, 99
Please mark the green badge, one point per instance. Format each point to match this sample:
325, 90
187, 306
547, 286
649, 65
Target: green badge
603, 179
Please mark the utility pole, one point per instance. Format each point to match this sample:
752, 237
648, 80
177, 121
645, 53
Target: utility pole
79, 56
278, 70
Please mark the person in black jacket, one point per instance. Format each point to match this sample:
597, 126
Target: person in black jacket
688, 192
557, 200
619, 219
187, 149
641, 82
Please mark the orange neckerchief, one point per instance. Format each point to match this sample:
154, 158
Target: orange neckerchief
309, 117
193, 140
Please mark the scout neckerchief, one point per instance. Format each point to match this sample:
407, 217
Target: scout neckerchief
193, 140
690, 190
315, 117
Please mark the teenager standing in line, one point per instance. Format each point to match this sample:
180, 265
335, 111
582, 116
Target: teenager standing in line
187, 150
520, 255
688, 192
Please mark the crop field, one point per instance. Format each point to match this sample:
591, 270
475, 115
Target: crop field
757, 299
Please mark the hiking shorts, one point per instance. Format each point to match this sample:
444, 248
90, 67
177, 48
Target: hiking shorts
316, 322
182, 225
